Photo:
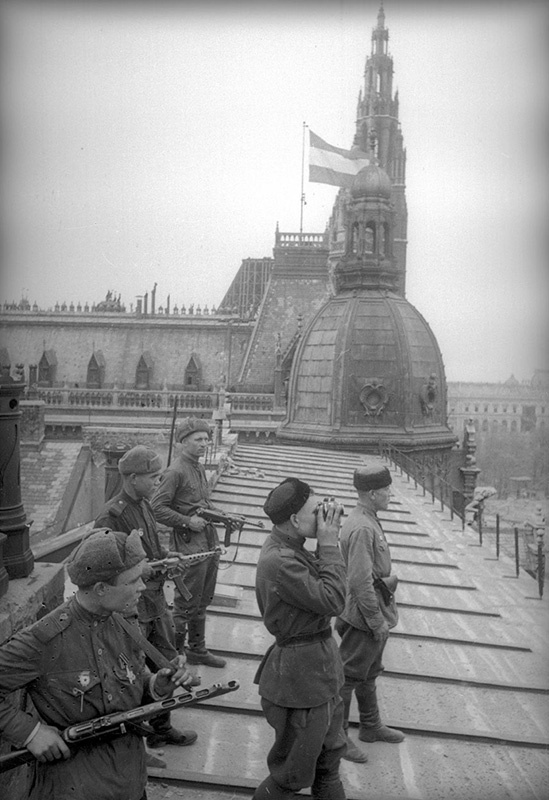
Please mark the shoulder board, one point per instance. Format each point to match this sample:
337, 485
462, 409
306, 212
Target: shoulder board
287, 552
117, 507
51, 625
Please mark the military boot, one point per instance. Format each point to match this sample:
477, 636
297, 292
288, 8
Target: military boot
371, 728
327, 783
270, 790
197, 652
352, 752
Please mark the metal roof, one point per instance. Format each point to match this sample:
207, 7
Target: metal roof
466, 668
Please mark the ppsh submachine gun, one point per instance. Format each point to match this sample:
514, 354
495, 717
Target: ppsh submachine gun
118, 723
174, 567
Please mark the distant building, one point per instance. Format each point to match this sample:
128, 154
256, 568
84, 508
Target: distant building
382, 375
509, 406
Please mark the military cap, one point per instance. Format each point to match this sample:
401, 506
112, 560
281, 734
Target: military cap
140, 460
191, 425
372, 477
286, 499
103, 555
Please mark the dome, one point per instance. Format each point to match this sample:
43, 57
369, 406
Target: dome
367, 368
371, 181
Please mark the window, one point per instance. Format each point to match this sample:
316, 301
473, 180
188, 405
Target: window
47, 368
385, 240
96, 371
193, 375
370, 238
143, 373
355, 238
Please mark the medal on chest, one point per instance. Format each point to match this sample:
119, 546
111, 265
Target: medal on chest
126, 666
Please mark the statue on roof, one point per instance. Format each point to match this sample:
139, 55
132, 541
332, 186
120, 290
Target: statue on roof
111, 303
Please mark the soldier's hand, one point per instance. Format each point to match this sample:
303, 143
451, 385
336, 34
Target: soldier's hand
48, 745
381, 633
197, 523
327, 529
168, 680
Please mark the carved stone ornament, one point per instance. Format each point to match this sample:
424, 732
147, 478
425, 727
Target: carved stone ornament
373, 398
428, 396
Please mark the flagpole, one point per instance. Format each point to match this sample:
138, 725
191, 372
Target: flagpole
302, 181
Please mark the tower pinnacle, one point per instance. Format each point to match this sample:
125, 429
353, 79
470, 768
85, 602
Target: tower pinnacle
380, 35
381, 16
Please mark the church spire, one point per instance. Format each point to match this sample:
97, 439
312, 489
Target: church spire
377, 114
380, 35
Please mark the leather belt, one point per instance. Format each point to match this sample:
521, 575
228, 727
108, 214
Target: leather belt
301, 638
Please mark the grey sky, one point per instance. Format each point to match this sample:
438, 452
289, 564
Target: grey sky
159, 142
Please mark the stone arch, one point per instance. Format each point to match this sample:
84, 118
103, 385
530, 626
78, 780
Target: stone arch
370, 238
47, 368
95, 376
193, 374
143, 371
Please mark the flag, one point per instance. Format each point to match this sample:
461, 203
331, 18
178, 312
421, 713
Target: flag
329, 164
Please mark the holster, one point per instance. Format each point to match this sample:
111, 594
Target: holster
386, 587
183, 533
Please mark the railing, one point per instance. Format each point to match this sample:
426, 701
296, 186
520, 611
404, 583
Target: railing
251, 402
313, 240
87, 398
163, 400
127, 398
524, 544
424, 472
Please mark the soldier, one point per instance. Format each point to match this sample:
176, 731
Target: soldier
365, 623
301, 675
79, 662
130, 510
184, 487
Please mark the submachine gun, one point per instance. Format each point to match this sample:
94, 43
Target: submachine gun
119, 722
231, 522
174, 567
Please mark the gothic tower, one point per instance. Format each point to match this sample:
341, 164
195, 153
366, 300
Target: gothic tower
377, 113
368, 367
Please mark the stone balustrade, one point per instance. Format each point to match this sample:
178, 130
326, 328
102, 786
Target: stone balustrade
313, 240
163, 399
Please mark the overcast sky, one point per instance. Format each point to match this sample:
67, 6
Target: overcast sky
159, 142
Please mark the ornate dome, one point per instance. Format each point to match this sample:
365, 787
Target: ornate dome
367, 368
371, 181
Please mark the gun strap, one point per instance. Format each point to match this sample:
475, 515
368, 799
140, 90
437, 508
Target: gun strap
148, 648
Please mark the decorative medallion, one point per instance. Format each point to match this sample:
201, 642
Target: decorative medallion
373, 398
428, 396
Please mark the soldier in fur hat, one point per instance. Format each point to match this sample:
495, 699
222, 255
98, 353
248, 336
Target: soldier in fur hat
183, 488
79, 662
129, 510
367, 618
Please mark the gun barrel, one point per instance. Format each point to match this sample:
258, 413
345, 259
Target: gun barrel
113, 723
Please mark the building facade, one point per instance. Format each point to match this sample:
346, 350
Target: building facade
511, 406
